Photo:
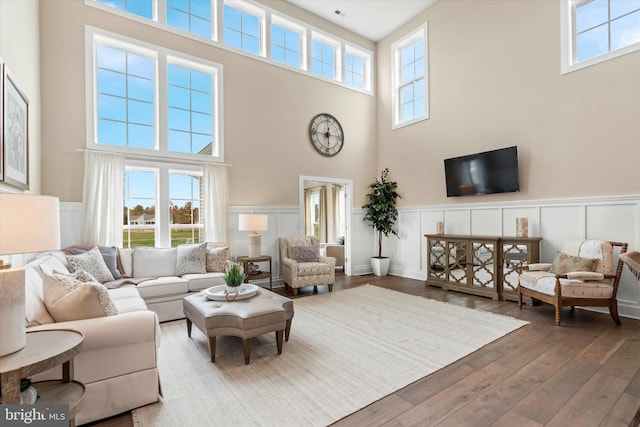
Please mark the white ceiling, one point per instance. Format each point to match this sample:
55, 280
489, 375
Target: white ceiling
372, 19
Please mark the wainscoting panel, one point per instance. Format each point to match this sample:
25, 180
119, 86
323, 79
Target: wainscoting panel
409, 242
486, 222
611, 218
457, 221
509, 216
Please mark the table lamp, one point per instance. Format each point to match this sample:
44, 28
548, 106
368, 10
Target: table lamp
28, 223
253, 223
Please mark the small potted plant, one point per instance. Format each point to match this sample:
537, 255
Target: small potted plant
234, 277
381, 214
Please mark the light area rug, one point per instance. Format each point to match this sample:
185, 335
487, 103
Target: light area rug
347, 349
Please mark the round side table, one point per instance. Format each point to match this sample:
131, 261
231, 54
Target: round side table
245, 260
44, 350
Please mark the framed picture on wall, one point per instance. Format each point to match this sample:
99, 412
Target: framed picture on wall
15, 121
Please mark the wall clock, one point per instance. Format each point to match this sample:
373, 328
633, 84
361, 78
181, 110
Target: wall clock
326, 134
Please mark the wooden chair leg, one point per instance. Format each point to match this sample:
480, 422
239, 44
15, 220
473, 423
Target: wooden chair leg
557, 315
330, 287
295, 292
519, 298
189, 328
613, 309
279, 340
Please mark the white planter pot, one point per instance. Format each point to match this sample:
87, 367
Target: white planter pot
380, 266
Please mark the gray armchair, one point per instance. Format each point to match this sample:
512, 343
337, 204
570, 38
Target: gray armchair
303, 266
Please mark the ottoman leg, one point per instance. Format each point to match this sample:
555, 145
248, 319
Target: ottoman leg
287, 330
189, 327
212, 349
279, 341
247, 350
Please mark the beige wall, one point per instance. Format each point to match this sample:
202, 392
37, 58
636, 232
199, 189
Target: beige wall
495, 81
267, 110
20, 50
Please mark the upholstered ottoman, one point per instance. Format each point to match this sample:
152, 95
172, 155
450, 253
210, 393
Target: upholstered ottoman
264, 312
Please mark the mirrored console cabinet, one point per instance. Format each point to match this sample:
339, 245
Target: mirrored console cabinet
479, 265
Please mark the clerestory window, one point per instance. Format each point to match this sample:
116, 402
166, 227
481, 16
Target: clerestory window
192, 16
594, 31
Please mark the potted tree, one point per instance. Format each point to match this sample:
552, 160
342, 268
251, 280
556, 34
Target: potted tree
381, 214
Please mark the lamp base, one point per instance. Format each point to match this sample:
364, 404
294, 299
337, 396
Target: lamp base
12, 311
254, 245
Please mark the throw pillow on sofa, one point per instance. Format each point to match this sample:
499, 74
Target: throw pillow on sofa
69, 298
192, 259
91, 262
304, 253
564, 263
217, 259
110, 257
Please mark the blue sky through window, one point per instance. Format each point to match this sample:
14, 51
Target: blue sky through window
193, 16
323, 59
241, 30
606, 25
285, 46
142, 8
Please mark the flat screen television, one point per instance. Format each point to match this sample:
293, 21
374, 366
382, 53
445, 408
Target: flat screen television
494, 171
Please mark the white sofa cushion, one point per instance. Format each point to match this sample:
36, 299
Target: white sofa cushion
198, 282
162, 286
154, 262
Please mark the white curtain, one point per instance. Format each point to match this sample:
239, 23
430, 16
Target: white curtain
323, 215
308, 208
103, 198
216, 202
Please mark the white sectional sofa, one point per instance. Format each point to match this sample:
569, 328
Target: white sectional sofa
164, 289
117, 362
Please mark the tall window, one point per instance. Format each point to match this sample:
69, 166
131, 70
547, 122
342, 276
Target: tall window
142, 8
134, 81
125, 92
286, 46
594, 31
193, 16
152, 104
139, 208
184, 208
410, 78
323, 58
190, 115
242, 29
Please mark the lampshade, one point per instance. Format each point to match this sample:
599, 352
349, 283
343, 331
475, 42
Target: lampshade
28, 223
252, 222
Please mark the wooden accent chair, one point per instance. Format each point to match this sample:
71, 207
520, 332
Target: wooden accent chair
302, 264
563, 286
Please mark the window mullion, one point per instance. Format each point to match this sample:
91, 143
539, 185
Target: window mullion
162, 105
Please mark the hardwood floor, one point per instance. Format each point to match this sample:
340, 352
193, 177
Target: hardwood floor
583, 373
